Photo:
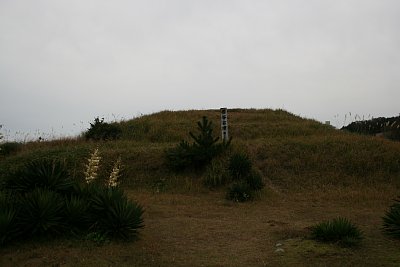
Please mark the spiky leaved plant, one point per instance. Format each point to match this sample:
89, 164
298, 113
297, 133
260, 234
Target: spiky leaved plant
42, 173
339, 230
41, 212
8, 214
115, 215
92, 166
391, 220
76, 213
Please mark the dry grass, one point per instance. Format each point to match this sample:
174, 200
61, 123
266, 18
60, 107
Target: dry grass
205, 230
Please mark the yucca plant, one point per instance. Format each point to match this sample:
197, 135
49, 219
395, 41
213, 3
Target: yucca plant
7, 225
41, 212
339, 230
115, 215
8, 214
391, 220
43, 173
113, 179
76, 213
92, 166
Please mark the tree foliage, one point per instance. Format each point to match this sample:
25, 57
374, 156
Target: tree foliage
198, 153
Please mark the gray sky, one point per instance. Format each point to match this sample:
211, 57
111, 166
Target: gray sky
64, 62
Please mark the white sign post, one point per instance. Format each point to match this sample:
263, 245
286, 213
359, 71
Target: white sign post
224, 124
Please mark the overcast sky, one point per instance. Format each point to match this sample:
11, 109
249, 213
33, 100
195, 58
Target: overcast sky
64, 62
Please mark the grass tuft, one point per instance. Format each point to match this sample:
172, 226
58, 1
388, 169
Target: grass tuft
339, 230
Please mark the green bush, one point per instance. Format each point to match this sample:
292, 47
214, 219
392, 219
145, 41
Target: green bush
240, 191
8, 214
115, 215
76, 213
247, 180
41, 212
239, 166
339, 230
199, 153
42, 200
7, 228
391, 220
9, 148
100, 130
42, 173
180, 157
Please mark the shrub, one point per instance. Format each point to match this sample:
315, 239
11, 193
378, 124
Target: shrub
42, 173
239, 191
100, 130
247, 180
391, 220
98, 238
7, 222
339, 230
255, 181
200, 152
41, 212
8, 213
9, 148
239, 166
179, 157
43, 201
115, 215
76, 213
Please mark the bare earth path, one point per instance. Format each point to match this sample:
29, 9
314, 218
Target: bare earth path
206, 230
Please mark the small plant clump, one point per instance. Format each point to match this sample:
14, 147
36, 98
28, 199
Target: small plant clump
246, 180
239, 165
339, 230
100, 130
240, 191
198, 154
391, 220
8, 213
41, 199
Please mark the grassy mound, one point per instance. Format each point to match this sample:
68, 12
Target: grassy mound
291, 152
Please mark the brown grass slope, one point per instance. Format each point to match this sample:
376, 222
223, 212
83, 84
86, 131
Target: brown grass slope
291, 152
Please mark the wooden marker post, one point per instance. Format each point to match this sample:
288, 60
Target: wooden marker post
224, 124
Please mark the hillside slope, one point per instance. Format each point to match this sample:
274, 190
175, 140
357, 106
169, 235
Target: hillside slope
291, 152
